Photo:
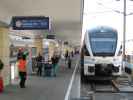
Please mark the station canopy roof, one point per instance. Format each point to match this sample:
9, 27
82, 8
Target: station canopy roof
65, 15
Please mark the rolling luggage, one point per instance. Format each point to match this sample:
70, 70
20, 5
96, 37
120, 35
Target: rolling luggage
1, 85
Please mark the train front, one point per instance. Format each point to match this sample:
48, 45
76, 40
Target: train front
103, 60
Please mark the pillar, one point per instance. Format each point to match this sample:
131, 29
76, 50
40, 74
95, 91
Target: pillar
4, 54
38, 42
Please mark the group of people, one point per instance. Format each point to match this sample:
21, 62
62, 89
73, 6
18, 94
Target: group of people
42, 63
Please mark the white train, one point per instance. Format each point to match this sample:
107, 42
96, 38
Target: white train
100, 54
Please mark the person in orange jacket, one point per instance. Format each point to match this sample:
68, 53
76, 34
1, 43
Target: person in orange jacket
22, 70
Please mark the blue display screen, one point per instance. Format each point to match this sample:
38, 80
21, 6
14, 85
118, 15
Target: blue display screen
30, 23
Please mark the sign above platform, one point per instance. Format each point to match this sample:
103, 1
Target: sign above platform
50, 36
30, 23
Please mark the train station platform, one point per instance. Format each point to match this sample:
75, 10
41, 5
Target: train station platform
42, 88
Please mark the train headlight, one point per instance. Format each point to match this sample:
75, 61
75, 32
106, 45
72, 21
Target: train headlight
116, 62
91, 69
92, 59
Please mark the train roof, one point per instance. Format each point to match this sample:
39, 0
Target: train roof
101, 29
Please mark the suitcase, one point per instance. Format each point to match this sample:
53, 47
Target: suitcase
1, 85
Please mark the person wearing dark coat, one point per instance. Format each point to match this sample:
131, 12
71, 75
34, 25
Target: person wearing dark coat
66, 56
69, 61
55, 60
20, 53
39, 64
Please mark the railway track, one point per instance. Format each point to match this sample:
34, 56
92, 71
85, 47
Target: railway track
115, 86
108, 87
119, 85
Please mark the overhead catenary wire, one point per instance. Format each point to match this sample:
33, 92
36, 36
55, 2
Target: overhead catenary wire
114, 10
100, 12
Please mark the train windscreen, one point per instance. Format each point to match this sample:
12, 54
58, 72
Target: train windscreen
103, 43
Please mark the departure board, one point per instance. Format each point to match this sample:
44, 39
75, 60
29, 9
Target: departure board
30, 23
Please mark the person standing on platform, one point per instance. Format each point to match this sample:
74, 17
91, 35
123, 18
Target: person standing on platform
22, 70
54, 60
20, 53
66, 56
39, 64
69, 61
72, 53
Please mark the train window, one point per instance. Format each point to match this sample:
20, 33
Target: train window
103, 44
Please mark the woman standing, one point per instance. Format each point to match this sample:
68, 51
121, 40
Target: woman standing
22, 70
55, 60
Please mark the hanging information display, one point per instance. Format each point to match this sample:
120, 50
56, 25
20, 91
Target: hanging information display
50, 36
30, 23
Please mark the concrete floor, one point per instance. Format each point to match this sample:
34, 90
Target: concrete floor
41, 88
55, 88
